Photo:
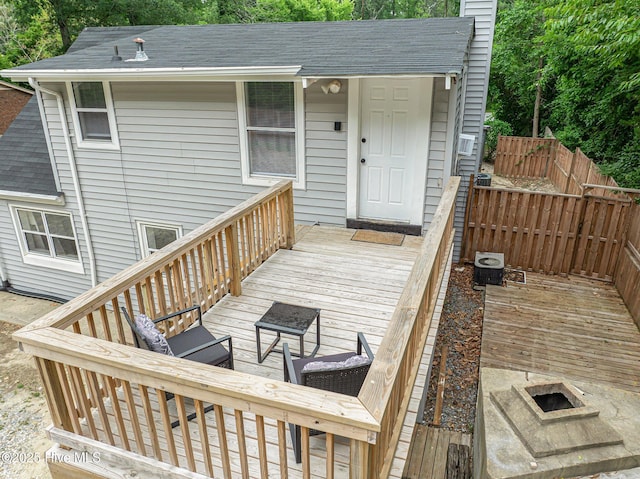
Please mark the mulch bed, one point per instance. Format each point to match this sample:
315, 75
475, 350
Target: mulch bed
461, 330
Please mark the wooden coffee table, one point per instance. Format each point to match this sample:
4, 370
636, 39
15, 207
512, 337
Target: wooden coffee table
283, 318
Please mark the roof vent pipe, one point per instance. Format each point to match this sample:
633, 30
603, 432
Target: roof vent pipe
116, 57
141, 56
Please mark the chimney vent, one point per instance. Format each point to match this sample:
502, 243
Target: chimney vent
141, 56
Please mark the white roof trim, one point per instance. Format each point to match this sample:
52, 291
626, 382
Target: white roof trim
15, 87
32, 197
103, 73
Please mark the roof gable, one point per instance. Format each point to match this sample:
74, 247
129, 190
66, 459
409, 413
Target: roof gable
349, 48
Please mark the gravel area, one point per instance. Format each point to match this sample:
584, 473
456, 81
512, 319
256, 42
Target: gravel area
460, 330
23, 413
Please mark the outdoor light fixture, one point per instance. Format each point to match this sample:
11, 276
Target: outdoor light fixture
333, 86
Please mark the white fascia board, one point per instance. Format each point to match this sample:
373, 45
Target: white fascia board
313, 78
149, 73
32, 197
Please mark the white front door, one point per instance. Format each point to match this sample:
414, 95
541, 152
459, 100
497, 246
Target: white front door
394, 133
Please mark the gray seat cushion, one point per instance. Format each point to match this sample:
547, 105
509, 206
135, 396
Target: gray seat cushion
194, 337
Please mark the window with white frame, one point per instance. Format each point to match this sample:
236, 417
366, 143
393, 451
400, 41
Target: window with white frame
272, 126
47, 238
93, 114
155, 236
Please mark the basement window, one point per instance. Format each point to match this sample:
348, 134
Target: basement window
154, 237
93, 115
271, 117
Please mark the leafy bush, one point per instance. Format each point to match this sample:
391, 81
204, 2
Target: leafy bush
496, 128
626, 169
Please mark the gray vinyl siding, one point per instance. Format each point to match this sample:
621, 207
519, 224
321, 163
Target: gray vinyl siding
324, 200
477, 83
179, 164
437, 149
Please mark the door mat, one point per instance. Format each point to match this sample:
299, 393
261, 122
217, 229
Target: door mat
379, 237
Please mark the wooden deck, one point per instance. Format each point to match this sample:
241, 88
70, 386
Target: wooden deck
428, 454
571, 327
356, 285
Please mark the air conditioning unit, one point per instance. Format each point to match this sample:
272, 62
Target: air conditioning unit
465, 144
483, 179
488, 268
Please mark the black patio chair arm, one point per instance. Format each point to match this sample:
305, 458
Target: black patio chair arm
181, 312
362, 343
289, 371
207, 345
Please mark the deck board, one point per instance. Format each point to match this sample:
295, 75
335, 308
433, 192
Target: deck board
572, 327
356, 285
429, 452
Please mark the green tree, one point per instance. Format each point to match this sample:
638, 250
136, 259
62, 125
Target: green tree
518, 65
301, 10
24, 43
594, 47
71, 16
582, 57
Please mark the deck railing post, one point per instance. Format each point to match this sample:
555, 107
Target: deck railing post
359, 460
54, 394
287, 218
235, 267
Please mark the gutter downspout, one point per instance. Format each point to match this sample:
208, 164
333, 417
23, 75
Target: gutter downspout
74, 174
3, 277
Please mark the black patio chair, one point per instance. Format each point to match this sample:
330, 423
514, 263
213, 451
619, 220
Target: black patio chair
332, 375
195, 343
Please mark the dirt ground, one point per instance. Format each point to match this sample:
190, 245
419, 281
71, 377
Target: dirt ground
543, 185
23, 413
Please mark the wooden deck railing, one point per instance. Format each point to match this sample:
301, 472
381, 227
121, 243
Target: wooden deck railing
387, 389
104, 394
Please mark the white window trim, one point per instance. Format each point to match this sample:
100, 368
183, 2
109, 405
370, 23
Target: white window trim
299, 182
142, 234
114, 143
69, 265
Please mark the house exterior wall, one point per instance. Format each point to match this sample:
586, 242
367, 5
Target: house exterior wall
437, 149
178, 164
476, 83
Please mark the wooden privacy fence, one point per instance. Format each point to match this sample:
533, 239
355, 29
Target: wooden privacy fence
627, 276
546, 232
523, 157
107, 396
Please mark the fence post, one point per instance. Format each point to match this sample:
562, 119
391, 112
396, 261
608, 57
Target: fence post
571, 168
551, 158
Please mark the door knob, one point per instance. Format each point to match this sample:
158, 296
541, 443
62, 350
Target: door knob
363, 161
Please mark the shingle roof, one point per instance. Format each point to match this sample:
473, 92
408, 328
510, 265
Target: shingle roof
375, 47
24, 159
